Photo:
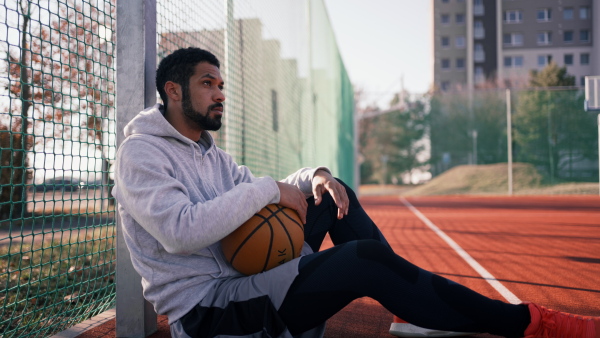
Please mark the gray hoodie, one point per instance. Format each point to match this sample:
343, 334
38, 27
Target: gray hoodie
176, 203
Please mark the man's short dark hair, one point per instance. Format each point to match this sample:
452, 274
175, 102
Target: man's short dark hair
179, 67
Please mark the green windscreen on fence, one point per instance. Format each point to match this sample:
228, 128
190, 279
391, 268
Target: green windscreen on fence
289, 101
289, 105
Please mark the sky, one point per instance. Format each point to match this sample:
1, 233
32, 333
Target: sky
384, 44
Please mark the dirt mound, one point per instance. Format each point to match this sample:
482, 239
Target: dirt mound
481, 179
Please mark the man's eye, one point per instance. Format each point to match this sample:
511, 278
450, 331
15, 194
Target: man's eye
206, 83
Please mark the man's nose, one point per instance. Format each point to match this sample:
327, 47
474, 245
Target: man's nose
220, 97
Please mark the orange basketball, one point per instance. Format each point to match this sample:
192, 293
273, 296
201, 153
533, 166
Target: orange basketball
271, 237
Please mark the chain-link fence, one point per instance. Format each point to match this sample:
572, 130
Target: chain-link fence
554, 140
56, 126
289, 104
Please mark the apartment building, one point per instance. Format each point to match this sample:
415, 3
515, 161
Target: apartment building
480, 43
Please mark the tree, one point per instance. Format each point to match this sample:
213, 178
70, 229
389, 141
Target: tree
551, 76
453, 119
489, 121
551, 130
450, 125
367, 145
60, 85
14, 134
391, 143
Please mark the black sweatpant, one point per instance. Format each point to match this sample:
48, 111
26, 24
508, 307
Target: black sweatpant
362, 264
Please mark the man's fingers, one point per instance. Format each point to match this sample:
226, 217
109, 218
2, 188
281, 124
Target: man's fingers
293, 198
338, 193
338, 202
317, 195
302, 217
346, 201
326, 183
304, 206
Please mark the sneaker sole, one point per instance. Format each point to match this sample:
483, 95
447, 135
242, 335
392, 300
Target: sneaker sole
410, 330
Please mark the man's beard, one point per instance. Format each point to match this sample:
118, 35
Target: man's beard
205, 122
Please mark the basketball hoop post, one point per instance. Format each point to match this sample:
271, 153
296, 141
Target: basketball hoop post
592, 93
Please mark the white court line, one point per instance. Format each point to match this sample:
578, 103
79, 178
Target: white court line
509, 296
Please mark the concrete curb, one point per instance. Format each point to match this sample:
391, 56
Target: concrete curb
89, 324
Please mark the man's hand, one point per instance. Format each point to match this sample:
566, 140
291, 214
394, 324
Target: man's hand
293, 198
323, 182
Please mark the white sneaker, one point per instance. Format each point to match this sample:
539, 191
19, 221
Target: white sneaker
402, 328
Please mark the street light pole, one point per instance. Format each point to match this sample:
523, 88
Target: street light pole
509, 141
475, 147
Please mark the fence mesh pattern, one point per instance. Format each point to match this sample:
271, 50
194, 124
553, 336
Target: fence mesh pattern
56, 127
554, 140
289, 104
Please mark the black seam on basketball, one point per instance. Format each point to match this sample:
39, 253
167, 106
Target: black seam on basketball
266, 220
274, 213
295, 222
270, 248
261, 216
287, 233
247, 238
267, 207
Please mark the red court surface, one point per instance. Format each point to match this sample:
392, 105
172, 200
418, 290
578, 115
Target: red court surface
542, 249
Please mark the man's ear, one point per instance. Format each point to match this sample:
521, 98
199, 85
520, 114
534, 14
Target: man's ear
173, 91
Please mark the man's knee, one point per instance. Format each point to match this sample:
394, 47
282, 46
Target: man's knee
327, 200
351, 194
344, 184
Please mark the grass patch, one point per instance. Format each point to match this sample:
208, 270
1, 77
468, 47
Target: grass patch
51, 285
480, 179
563, 189
491, 179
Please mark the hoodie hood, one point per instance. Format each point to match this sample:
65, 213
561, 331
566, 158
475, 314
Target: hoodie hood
152, 121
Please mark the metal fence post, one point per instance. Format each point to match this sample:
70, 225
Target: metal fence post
136, 69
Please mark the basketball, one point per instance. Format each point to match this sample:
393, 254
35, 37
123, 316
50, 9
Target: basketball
271, 237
